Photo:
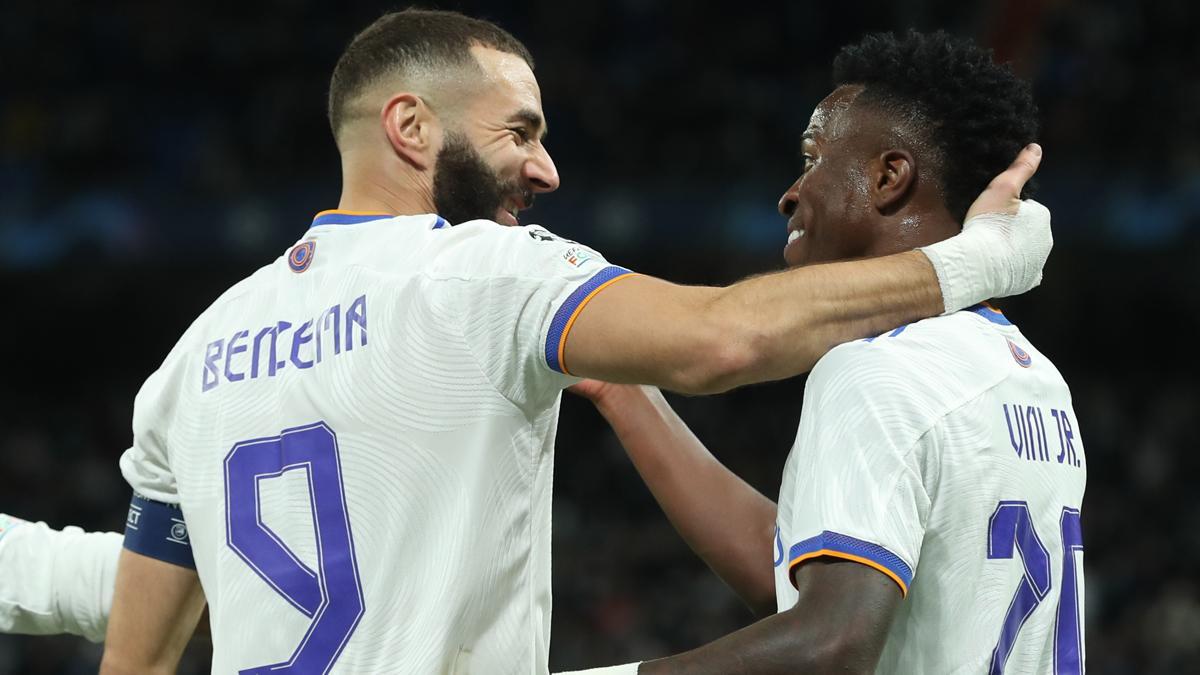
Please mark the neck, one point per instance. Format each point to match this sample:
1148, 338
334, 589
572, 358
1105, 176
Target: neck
368, 189
911, 229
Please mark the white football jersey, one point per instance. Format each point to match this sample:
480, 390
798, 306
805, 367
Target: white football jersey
361, 435
946, 455
56, 581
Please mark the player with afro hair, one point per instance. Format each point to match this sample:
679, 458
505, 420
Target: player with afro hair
916, 125
975, 113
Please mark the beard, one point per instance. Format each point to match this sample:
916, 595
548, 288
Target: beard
466, 188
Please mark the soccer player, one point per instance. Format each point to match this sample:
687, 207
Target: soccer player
349, 454
928, 520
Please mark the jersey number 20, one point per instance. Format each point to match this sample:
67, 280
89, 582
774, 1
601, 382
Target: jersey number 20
1011, 527
331, 595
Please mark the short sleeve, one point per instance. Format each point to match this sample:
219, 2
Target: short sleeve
516, 311
853, 487
146, 464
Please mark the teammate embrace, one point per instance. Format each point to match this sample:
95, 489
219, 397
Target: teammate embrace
388, 510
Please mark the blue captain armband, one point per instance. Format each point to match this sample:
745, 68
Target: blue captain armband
157, 530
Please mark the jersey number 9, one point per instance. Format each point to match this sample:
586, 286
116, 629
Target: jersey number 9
331, 595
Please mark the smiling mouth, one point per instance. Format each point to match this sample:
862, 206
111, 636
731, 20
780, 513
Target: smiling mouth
794, 235
509, 215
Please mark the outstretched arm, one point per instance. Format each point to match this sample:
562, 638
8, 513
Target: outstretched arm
728, 523
697, 339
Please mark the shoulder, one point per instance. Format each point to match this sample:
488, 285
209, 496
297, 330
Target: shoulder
199, 328
923, 369
482, 248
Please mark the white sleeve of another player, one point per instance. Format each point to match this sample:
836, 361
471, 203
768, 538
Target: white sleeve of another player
518, 300
53, 581
857, 486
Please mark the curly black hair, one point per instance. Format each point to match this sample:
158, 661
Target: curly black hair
977, 114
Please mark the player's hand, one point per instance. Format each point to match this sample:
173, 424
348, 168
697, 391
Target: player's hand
593, 390
612, 400
1003, 245
1003, 194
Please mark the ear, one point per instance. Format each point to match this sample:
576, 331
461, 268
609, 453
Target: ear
412, 129
893, 180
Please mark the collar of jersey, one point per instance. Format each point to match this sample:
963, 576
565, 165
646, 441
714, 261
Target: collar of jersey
341, 217
990, 313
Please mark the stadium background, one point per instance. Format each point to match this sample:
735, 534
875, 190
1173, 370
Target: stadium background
153, 153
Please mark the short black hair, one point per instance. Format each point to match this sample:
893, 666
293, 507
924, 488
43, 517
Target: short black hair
400, 41
977, 113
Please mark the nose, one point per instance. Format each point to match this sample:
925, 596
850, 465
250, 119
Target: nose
541, 172
787, 203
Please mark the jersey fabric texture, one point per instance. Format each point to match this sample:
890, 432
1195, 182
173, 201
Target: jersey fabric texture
945, 454
56, 581
360, 437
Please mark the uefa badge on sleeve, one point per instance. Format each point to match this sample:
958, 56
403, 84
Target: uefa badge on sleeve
301, 256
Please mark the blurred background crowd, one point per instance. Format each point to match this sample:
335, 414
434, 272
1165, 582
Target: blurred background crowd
153, 153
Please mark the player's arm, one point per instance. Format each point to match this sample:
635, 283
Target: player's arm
158, 598
707, 340
856, 510
155, 610
728, 523
55, 581
839, 625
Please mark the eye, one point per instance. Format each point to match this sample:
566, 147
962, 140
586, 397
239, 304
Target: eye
809, 161
522, 134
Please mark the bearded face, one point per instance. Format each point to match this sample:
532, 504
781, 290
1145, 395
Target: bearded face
466, 188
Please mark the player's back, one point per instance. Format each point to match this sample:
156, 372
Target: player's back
362, 489
968, 439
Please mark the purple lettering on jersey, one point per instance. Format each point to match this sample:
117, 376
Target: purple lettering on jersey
1069, 433
277, 356
1028, 436
1062, 447
211, 354
234, 348
331, 317
257, 353
1045, 442
356, 315
302, 337
1017, 439
274, 366
1037, 434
